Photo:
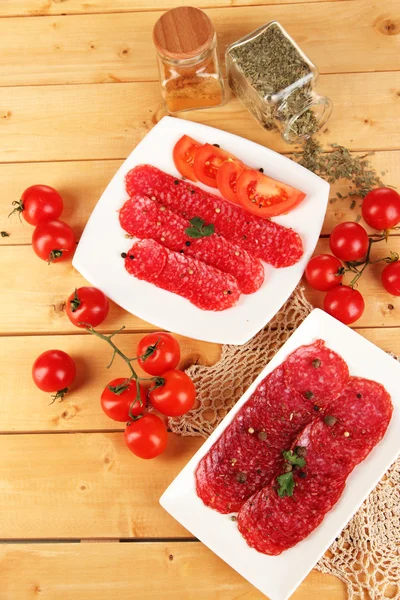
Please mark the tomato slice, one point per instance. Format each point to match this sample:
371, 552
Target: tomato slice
227, 177
207, 161
266, 197
183, 155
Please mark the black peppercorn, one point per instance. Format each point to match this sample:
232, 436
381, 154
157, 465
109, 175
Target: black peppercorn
123, 254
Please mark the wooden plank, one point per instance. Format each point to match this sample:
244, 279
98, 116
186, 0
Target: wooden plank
36, 294
82, 182
104, 48
33, 298
47, 123
97, 571
87, 486
80, 410
25, 408
30, 8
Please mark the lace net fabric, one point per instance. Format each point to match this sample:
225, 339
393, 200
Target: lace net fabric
366, 555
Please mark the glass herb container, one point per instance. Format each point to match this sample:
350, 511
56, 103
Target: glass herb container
275, 80
186, 45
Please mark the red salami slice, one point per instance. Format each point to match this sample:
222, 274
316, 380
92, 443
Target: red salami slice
334, 446
265, 239
142, 217
317, 373
204, 286
249, 451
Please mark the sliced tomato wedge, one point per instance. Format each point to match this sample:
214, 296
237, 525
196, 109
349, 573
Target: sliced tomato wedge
183, 155
227, 177
266, 197
207, 161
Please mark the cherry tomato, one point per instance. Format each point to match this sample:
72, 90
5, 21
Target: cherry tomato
87, 305
54, 371
381, 208
183, 155
344, 303
391, 278
322, 272
39, 203
265, 196
207, 161
118, 399
349, 241
176, 396
158, 352
227, 176
147, 436
53, 241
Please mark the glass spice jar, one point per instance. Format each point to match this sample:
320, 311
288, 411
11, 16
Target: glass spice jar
186, 45
275, 80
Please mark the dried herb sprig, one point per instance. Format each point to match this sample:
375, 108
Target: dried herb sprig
339, 164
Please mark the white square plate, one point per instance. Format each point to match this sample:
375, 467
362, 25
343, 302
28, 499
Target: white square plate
278, 576
98, 256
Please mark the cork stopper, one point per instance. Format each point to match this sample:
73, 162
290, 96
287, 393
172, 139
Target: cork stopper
183, 33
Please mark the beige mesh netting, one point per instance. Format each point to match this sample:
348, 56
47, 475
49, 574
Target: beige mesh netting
366, 556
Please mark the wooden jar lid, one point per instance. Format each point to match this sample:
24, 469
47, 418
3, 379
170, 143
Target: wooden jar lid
183, 33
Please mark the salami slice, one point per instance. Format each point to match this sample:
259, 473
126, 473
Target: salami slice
317, 373
249, 451
144, 218
201, 284
264, 239
333, 446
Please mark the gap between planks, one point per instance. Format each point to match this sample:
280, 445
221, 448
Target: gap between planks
159, 9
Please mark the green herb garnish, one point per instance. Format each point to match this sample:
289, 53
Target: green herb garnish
286, 485
293, 459
199, 228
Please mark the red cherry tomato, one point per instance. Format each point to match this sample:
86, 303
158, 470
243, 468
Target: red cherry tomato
118, 399
147, 436
39, 203
344, 303
391, 278
54, 371
53, 241
349, 241
207, 161
381, 208
183, 155
322, 272
265, 196
176, 396
158, 352
87, 305
227, 177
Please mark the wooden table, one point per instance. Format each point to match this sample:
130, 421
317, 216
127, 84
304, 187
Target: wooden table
78, 91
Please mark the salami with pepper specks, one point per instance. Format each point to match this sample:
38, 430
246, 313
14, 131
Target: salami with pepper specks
144, 218
249, 451
332, 445
201, 284
265, 239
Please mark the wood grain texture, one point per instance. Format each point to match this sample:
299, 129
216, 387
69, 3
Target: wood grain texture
33, 8
104, 48
97, 121
90, 571
48, 287
23, 407
87, 486
81, 184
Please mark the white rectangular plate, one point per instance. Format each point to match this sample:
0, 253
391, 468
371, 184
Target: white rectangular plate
98, 256
278, 576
